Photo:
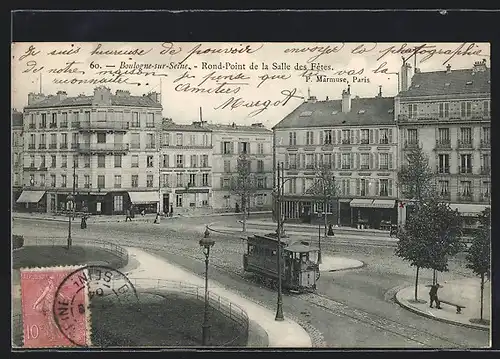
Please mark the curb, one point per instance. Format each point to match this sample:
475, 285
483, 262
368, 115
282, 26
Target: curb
448, 321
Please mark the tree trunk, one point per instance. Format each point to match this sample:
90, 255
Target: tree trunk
482, 296
244, 205
325, 219
416, 285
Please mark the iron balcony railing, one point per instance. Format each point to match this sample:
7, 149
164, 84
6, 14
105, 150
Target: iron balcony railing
485, 170
465, 170
443, 144
411, 144
98, 147
444, 195
105, 125
464, 144
465, 197
485, 144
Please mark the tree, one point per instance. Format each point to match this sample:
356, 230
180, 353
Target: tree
431, 236
243, 184
478, 255
415, 179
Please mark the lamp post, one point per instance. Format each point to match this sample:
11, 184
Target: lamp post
206, 243
69, 200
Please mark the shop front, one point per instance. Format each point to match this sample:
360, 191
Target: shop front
32, 201
375, 214
142, 201
470, 214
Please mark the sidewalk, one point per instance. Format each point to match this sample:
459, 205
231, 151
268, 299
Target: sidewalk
280, 334
464, 292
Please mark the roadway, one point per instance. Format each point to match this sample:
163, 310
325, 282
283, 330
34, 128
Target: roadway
352, 308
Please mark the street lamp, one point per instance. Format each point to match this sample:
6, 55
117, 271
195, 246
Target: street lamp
206, 243
69, 200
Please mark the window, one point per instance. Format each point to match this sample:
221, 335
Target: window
292, 159
309, 137
43, 141
166, 161
63, 181
346, 161
118, 181
486, 108
412, 136
260, 182
53, 140
309, 161
466, 189
64, 140
135, 141
101, 181
74, 140
365, 137
346, 187
244, 147
328, 160
444, 163
384, 136
466, 163
150, 140
204, 161
485, 163
135, 120
328, 137
86, 180
486, 135
135, 161
42, 180
75, 161
101, 161
76, 181
135, 180
444, 188
365, 161
178, 140
225, 183
52, 180
412, 110
444, 110
150, 122
466, 135
192, 180
86, 161
260, 166
346, 136
149, 181
118, 161
42, 161
101, 138
227, 166
292, 138
53, 121
486, 189
194, 161
205, 139
192, 140
165, 139
32, 121
384, 185
260, 202
178, 179
43, 123
64, 161
364, 187
178, 200
149, 161
468, 112
292, 187
179, 161
166, 180
204, 179
444, 136
260, 148
53, 161
384, 161
227, 147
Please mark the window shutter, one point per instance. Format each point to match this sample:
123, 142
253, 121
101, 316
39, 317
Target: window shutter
376, 157
357, 136
371, 161
334, 137
390, 161
390, 135
232, 147
358, 188
358, 164
302, 160
352, 160
320, 137
287, 165
377, 187
371, 136
339, 161
339, 140
352, 136
376, 136
222, 147
320, 161
389, 190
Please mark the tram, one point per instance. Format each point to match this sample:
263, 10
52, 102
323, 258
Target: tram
299, 265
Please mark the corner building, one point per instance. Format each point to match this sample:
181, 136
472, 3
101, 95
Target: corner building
108, 141
357, 138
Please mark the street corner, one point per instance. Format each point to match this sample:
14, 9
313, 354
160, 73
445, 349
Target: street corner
334, 264
447, 313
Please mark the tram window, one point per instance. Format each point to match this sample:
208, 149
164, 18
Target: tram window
273, 253
250, 249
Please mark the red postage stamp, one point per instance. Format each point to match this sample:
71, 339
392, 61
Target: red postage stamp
55, 311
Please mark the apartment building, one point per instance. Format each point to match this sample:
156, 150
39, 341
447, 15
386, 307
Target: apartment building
447, 113
357, 138
104, 145
17, 153
229, 141
186, 167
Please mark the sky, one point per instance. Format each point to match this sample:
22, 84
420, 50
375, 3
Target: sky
219, 78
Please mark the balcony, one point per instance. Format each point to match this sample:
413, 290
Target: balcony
32, 126
346, 167
309, 166
384, 167
31, 146
446, 196
465, 170
411, 144
485, 144
346, 141
443, 145
74, 146
444, 170
75, 124
486, 170
42, 125
484, 197
365, 141
365, 167
103, 126
53, 146
384, 141
53, 125
63, 125
150, 146
465, 197
179, 165
63, 146
464, 144
103, 147
42, 146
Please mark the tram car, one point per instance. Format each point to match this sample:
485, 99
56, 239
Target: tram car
299, 264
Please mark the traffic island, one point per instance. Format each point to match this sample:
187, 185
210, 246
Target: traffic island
334, 264
464, 292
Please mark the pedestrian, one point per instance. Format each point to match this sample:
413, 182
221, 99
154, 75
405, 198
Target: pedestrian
434, 296
127, 215
171, 213
330, 230
143, 212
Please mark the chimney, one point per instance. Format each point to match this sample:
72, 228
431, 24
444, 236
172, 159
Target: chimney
258, 124
327, 98
379, 91
312, 99
405, 76
35, 97
61, 95
479, 66
122, 93
448, 69
346, 99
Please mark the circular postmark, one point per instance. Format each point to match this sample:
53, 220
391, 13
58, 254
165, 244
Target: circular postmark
78, 289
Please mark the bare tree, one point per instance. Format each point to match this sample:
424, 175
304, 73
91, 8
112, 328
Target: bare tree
243, 184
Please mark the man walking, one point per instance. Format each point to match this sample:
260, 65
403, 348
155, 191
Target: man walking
433, 295
128, 217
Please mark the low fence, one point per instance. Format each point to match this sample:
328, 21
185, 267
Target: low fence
230, 310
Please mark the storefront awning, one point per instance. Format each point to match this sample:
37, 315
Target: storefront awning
30, 197
143, 197
344, 200
361, 202
383, 203
466, 209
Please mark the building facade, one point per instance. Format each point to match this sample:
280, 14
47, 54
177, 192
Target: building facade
229, 141
447, 113
105, 146
186, 167
17, 154
357, 138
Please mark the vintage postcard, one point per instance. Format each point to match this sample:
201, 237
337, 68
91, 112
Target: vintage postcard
251, 195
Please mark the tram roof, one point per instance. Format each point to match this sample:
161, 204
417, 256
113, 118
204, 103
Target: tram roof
299, 248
